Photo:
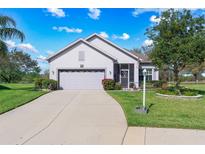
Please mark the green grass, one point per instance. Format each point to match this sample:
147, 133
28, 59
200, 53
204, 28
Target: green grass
199, 86
14, 95
163, 112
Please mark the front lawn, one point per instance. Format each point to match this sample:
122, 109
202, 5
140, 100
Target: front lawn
197, 86
14, 95
163, 112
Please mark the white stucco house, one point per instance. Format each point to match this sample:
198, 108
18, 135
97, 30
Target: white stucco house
84, 63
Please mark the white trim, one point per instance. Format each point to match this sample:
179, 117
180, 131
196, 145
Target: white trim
84, 41
77, 68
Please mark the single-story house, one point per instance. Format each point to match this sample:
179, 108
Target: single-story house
84, 63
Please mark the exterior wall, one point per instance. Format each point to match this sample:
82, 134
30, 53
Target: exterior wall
70, 60
155, 75
121, 57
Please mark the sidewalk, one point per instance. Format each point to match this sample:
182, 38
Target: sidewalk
159, 136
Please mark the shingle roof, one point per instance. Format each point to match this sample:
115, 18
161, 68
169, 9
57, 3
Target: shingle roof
144, 58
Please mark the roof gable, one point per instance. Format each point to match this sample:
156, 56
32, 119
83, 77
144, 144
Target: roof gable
76, 43
93, 36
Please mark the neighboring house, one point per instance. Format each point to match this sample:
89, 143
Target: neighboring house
84, 63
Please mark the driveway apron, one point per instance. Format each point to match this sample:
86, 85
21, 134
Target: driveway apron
65, 117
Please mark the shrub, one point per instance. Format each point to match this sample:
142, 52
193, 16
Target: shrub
41, 83
158, 84
132, 85
189, 92
178, 91
155, 84
38, 83
108, 84
52, 85
49, 84
118, 86
45, 83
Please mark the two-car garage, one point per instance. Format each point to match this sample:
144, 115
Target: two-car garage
71, 79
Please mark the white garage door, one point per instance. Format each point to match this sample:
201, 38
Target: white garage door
90, 79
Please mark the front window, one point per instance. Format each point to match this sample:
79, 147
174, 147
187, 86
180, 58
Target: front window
148, 76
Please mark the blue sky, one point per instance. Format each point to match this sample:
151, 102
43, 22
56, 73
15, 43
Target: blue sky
48, 30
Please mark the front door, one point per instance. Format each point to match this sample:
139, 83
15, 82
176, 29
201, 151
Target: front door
124, 78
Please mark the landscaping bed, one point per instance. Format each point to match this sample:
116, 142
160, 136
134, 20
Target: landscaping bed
180, 92
15, 95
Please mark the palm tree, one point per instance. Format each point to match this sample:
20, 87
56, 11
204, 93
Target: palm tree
8, 31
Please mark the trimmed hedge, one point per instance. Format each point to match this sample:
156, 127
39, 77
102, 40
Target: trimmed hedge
109, 84
118, 86
42, 83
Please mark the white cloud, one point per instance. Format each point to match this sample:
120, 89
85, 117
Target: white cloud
56, 12
27, 46
94, 13
41, 58
67, 29
10, 43
137, 12
50, 52
104, 34
124, 36
22, 46
148, 43
155, 19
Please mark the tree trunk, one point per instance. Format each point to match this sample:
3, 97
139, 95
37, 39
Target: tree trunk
176, 78
165, 74
195, 77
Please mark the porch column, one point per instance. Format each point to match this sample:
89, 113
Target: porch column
136, 74
153, 74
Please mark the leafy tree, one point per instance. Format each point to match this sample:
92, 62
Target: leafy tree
178, 41
8, 31
16, 66
146, 49
45, 74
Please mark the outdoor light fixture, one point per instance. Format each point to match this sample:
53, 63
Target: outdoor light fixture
144, 87
143, 109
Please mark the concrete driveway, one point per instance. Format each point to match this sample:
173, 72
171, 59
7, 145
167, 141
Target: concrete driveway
65, 117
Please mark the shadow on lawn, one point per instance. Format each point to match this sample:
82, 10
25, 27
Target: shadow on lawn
4, 87
149, 107
24, 88
202, 92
